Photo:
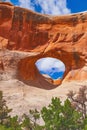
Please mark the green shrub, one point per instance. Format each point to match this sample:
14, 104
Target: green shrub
61, 117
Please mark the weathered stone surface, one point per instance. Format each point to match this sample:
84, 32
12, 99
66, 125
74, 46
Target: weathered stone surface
36, 36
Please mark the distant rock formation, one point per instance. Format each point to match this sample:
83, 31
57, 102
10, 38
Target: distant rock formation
26, 36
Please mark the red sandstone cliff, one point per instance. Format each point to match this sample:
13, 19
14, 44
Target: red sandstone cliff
28, 36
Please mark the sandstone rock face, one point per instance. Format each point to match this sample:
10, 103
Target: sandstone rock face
26, 36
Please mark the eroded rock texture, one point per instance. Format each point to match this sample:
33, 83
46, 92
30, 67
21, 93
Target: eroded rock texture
26, 36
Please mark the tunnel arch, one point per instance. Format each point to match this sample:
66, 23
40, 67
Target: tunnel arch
28, 72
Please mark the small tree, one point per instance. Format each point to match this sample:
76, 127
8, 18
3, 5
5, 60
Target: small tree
35, 115
61, 117
27, 124
79, 100
30, 121
14, 123
4, 111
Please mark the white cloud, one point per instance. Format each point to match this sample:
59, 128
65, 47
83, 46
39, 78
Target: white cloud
47, 64
54, 7
27, 4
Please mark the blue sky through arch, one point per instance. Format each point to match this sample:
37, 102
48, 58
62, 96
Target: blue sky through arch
51, 67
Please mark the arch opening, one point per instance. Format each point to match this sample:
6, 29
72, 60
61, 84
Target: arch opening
51, 69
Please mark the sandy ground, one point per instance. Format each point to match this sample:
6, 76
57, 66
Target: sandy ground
21, 97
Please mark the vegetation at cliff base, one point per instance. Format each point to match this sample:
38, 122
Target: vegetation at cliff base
70, 115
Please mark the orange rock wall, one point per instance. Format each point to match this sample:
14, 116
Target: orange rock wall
62, 37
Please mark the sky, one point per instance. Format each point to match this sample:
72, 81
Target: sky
51, 66
53, 7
